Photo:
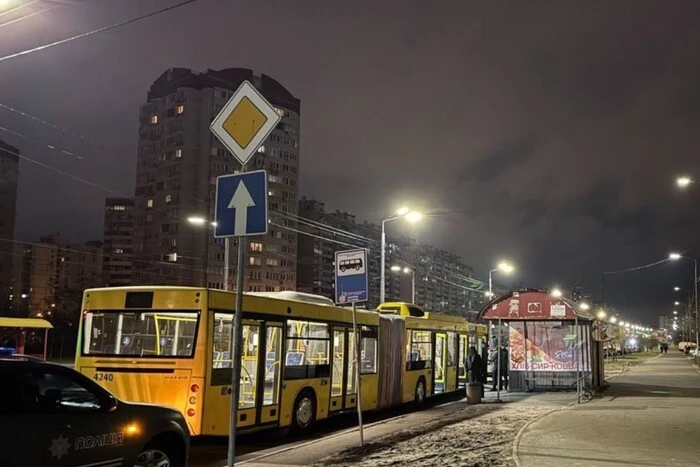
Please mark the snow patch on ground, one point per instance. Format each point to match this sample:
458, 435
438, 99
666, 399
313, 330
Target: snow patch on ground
480, 435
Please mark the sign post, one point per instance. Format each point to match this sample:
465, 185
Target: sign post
351, 286
242, 126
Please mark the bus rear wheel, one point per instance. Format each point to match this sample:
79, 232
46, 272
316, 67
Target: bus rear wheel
419, 397
304, 410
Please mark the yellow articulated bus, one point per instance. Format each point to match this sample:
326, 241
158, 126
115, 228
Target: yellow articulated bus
171, 346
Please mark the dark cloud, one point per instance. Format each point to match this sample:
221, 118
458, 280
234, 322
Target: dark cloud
545, 132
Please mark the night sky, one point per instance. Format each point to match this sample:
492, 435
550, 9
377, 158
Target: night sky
546, 133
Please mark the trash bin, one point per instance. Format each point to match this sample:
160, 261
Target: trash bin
473, 393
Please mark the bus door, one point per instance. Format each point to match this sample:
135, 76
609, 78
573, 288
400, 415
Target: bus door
218, 394
462, 369
343, 394
451, 356
440, 363
271, 372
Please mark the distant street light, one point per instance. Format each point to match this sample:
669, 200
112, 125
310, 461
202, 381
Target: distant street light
410, 216
556, 292
585, 306
676, 289
684, 182
695, 287
675, 312
601, 315
676, 303
613, 319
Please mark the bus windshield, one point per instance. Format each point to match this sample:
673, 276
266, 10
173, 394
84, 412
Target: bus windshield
130, 333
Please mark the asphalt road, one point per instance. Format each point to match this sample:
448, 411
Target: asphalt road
649, 416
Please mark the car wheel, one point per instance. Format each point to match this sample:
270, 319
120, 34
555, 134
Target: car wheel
304, 411
419, 398
158, 456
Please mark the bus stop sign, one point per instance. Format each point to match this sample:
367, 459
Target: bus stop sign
351, 278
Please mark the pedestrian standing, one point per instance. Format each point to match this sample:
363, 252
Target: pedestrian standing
493, 361
503, 383
474, 364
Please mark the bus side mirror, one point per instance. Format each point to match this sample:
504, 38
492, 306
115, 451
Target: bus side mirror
111, 404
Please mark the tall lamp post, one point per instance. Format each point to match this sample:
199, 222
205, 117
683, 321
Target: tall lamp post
403, 213
407, 270
201, 221
677, 256
504, 267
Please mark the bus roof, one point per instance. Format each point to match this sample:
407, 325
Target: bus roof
35, 323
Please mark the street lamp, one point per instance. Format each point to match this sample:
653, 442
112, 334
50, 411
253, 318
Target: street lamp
613, 319
676, 289
410, 216
407, 270
675, 312
676, 303
585, 306
200, 221
601, 315
556, 292
676, 256
503, 266
684, 182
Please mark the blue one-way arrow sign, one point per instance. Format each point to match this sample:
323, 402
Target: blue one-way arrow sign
241, 204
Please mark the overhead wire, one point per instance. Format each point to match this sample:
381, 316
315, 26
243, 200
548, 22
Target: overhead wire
96, 31
27, 16
18, 7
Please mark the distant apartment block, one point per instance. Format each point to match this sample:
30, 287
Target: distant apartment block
9, 174
47, 270
442, 280
118, 241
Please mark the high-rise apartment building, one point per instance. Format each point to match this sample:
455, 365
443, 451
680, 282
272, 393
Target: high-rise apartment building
324, 234
118, 241
47, 270
9, 174
440, 281
178, 162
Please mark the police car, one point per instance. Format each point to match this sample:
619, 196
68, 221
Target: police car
51, 415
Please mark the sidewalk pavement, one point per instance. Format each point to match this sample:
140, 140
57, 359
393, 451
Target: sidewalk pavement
648, 416
309, 452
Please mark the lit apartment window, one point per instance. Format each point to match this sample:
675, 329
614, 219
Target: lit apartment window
168, 199
255, 246
149, 203
173, 242
172, 257
178, 153
255, 261
154, 119
272, 262
261, 149
119, 208
180, 109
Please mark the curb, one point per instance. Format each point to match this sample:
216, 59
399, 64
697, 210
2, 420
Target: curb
325, 438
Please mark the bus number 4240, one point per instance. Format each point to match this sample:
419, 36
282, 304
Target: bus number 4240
103, 377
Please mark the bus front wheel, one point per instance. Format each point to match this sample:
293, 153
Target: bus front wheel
304, 410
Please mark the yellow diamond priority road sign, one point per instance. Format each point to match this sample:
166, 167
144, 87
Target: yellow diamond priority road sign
245, 122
